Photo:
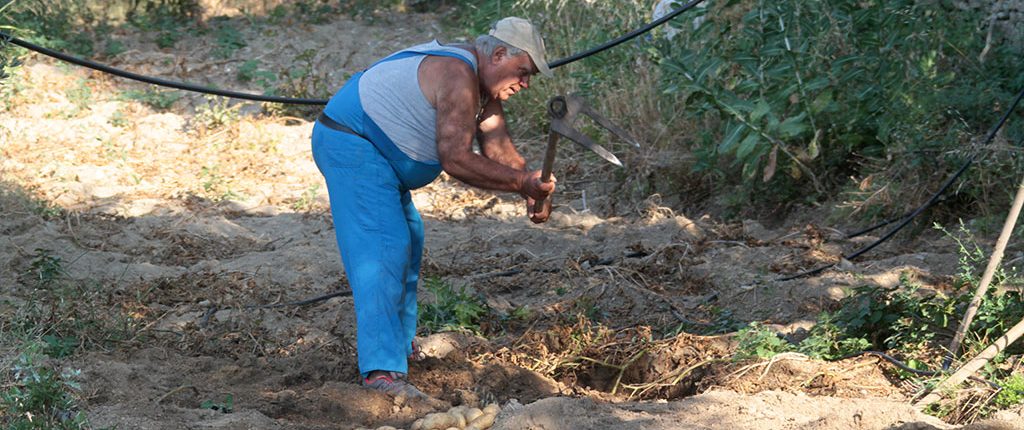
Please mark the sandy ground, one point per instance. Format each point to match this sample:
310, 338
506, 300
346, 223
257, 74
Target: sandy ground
184, 225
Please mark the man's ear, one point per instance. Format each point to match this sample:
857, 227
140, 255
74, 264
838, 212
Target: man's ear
499, 53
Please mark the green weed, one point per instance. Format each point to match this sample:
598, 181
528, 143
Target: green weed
38, 396
227, 406
228, 40
217, 112
166, 19
303, 80
117, 119
1012, 393
307, 201
81, 96
451, 310
158, 99
11, 81
46, 269
250, 72
113, 48
59, 347
62, 314
215, 186
757, 341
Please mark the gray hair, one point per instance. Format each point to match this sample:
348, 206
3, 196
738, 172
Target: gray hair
486, 44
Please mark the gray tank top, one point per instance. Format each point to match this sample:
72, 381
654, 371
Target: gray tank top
390, 94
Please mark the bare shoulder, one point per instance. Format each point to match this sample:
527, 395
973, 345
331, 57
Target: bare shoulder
446, 77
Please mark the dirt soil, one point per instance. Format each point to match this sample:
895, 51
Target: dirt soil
184, 223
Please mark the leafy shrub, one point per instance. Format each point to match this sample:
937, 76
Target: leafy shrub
807, 94
55, 25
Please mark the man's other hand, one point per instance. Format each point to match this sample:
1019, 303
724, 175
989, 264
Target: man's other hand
538, 217
535, 190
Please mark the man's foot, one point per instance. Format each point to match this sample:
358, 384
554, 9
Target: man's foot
393, 383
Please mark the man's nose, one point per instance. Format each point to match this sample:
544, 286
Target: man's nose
524, 82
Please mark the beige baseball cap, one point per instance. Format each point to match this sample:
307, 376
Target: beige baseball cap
520, 33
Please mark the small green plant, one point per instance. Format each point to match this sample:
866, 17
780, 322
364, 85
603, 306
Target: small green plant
55, 25
452, 309
113, 48
303, 79
38, 396
46, 269
59, 347
11, 81
1012, 393
215, 186
250, 72
117, 119
164, 18
157, 99
217, 112
227, 406
80, 96
757, 341
228, 40
167, 39
111, 151
308, 199
971, 257
521, 313
827, 340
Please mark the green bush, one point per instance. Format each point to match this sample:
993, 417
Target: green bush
807, 94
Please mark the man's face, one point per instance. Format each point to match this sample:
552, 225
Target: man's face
507, 75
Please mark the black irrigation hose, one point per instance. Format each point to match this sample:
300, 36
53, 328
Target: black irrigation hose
303, 302
7, 38
157, 81
903, 366
928, 204
615, 42
885, 223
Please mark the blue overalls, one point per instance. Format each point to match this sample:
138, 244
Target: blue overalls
378, 229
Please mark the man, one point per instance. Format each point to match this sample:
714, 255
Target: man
394, 128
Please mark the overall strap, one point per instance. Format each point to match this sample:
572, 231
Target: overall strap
437, 53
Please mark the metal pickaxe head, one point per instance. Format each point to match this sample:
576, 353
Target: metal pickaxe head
564, 110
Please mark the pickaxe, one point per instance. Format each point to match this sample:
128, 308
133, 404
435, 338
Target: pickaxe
563, 111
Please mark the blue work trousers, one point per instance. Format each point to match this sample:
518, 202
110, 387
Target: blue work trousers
380, 236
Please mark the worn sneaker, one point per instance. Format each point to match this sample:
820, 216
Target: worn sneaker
394, 383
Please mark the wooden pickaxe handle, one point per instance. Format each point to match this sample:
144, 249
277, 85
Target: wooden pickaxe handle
557, 110
549, 163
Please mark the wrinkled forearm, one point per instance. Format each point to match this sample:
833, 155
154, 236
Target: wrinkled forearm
502, 152
484, 172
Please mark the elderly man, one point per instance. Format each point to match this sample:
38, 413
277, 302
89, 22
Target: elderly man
393, 128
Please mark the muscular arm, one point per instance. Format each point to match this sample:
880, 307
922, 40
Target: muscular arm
455, 98
495, 142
